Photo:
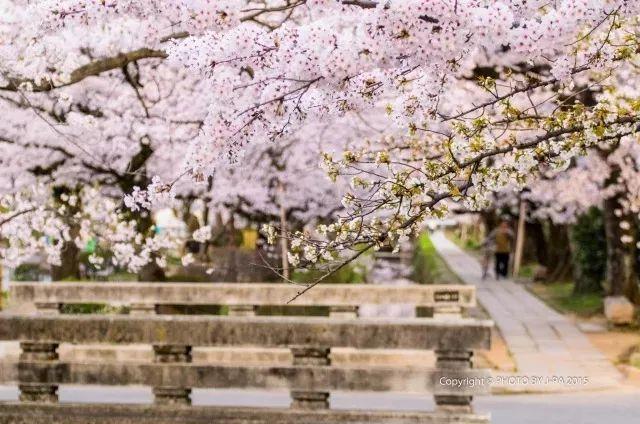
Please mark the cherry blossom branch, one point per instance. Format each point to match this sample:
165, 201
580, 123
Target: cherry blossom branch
16, 215
323, 277
91, 69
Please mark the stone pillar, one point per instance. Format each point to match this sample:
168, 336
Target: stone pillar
48, 308
454, 361
172, 395
310, 356
38, 392
142, 309
242, 310
343, 311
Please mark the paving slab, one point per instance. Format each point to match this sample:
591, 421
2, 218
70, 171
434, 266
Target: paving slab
548, 348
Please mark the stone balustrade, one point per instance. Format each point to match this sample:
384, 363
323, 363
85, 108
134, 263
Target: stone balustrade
242, 299
310, 377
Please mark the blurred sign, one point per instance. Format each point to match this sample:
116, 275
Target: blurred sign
249, 238
446, 296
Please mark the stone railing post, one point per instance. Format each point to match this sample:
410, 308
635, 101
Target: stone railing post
310, 356
172, 395
343, 311
242, 310
48, 308
454, 361
142, 309
38, 392
447, 304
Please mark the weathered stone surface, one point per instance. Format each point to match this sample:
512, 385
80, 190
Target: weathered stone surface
8, 372
168, 395
169, 391
308, 355
618, 310
172, 353
52, 308
460, 334
142, 309
38, 351
37, 392
11, 413
242, 294
242, 310
303, 394
303, 399
343, 311
249, 355
449, 362
318, 378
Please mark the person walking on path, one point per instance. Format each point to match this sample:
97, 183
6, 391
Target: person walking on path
501, 239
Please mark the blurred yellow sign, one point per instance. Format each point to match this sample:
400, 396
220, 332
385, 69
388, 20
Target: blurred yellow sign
249, 238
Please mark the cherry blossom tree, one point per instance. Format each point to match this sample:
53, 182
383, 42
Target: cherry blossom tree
607, 179
484, 93
117, 129
109, 134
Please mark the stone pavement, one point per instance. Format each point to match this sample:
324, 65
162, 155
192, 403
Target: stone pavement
548, 348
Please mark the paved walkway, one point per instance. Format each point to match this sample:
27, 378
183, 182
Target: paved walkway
547, 347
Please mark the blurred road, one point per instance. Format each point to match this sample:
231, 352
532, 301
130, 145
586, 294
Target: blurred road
610, 407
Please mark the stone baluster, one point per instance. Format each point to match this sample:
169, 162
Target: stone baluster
38, 392
343, 311
453, 361
172, 395
48, 308
142, 309
310, 356
242, 310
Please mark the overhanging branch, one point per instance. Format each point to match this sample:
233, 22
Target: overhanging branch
90, 69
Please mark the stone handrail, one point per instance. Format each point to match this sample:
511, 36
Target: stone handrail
242, 298
321, 379
143, 414
365, 333
310, 377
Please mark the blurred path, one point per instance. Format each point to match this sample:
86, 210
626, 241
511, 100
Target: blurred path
612, 407
543, 342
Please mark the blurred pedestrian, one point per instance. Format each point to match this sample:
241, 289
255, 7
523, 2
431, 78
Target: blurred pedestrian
501, 239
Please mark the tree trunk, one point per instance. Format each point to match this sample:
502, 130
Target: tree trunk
621, 236
520, 237
152, 272
535, 245
70, 265
284, 249
490, 220
559, 253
